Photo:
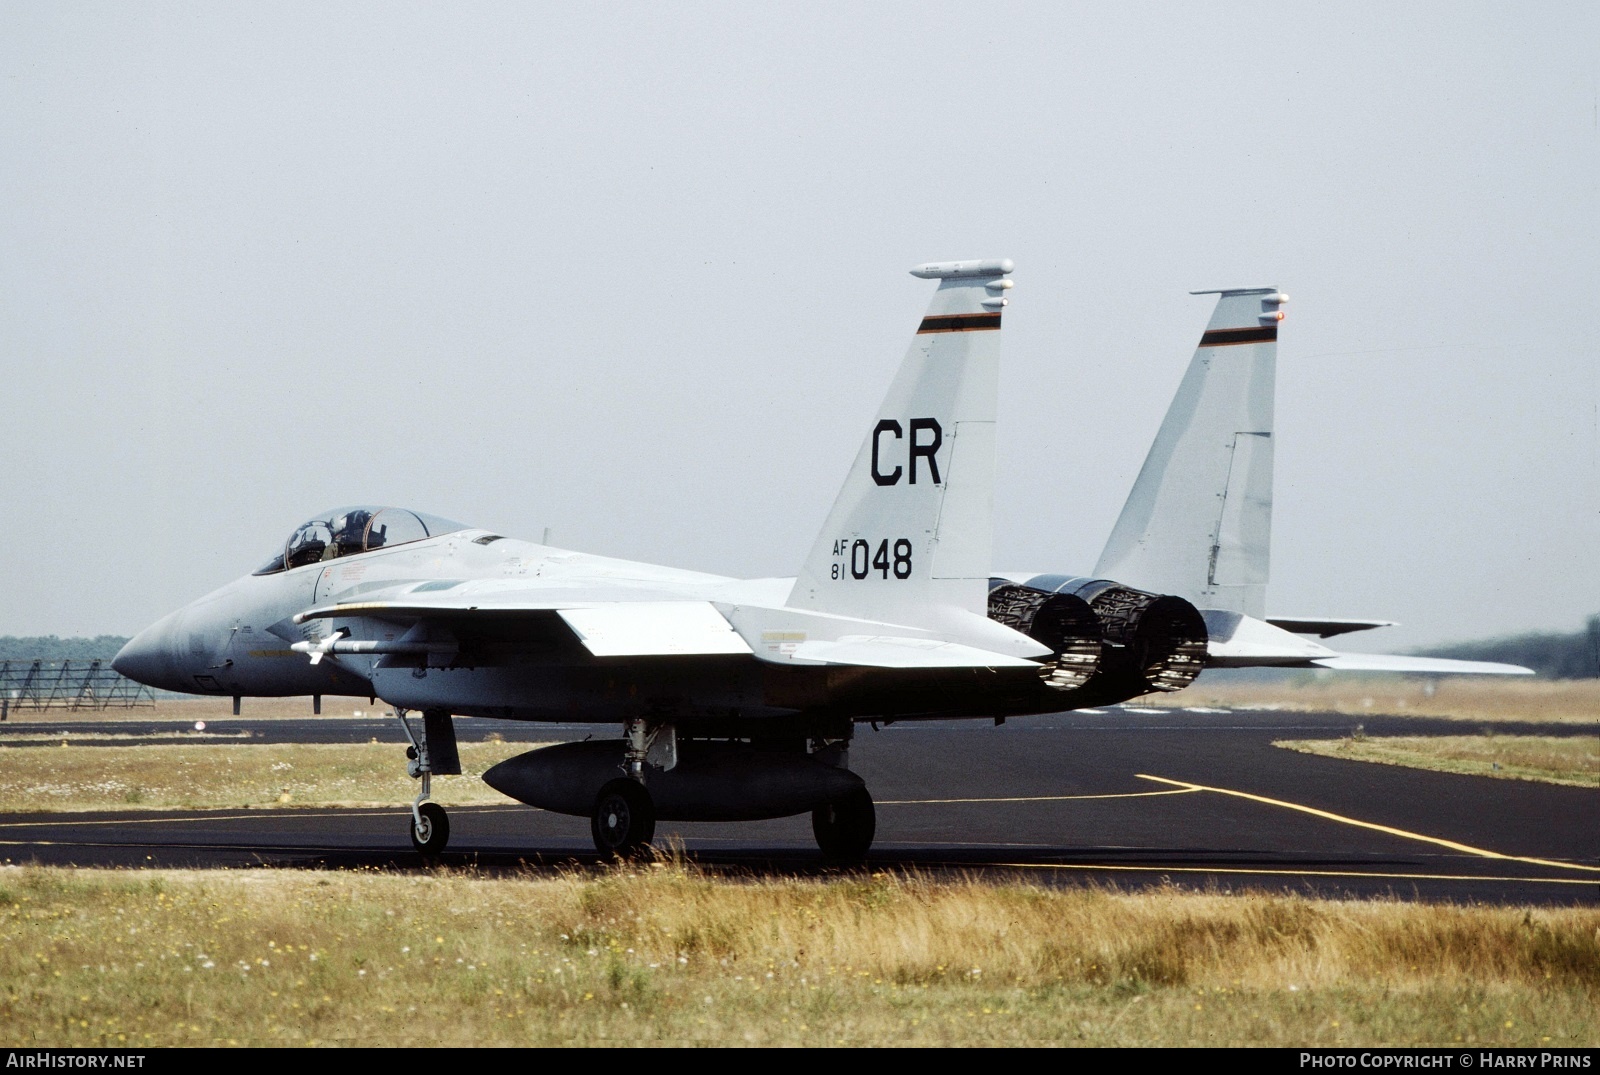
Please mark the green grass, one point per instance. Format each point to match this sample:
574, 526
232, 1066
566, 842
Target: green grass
659, 954
1572, 760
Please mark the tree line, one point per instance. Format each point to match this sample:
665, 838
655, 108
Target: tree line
52, 648
1551, 656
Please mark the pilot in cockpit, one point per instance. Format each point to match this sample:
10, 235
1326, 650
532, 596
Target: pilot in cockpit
349, 534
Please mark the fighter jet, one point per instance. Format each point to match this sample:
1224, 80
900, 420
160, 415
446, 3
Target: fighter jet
737, 698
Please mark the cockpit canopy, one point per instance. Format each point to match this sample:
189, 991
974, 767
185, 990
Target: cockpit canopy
351, 531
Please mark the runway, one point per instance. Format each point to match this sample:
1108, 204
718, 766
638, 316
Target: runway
1194, 798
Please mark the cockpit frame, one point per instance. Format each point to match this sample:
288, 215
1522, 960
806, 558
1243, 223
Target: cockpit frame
352, 531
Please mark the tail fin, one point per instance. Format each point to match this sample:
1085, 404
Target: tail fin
911, 533
1198, 522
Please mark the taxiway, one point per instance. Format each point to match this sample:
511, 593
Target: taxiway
1128, 797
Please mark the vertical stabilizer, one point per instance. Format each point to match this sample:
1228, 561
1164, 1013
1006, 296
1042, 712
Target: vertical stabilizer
1198, 522
910, 536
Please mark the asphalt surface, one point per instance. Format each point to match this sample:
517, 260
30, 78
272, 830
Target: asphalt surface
1198, 799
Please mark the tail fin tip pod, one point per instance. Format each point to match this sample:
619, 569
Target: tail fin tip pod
1198, 521
909, 537
947, 270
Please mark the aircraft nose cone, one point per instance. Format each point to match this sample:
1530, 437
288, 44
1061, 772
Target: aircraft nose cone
146, 658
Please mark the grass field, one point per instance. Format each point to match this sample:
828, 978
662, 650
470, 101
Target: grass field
226, 774
1572, 760
661, 955
1481, 699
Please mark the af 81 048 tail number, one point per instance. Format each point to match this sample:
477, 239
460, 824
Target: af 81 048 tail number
859, 559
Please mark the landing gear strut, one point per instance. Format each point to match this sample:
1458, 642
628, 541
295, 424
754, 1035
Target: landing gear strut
430, 825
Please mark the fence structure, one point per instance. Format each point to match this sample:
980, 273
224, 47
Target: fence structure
29, 685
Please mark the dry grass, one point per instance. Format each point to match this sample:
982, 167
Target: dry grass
212, 775
662, 955
1483, 699
1573, 760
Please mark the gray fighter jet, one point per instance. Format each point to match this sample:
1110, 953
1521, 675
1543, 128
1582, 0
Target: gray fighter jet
737, 698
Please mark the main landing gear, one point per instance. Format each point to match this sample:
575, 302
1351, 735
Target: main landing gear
844, 828
622, 818
623, 821
430, 825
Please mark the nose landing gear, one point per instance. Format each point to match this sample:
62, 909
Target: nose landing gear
430, 828
430, 825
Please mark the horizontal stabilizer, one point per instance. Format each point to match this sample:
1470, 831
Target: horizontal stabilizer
646, 629
1385, 662
1306, 625
1238, 641
897, 652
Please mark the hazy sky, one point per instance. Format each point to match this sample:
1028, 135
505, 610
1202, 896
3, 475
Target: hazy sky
637, 273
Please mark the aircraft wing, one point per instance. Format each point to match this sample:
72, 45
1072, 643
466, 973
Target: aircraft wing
446, 597
632, 623
889, 651
638, 621
653, 629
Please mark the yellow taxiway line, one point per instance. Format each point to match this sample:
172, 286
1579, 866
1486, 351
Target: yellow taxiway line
1403, 833
1038, 798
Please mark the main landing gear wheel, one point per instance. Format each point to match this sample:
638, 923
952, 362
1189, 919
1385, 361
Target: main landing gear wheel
844, 828
624, 818
430, 829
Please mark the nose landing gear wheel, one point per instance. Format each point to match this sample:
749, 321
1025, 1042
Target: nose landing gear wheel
624, 818
430, 829
844, 828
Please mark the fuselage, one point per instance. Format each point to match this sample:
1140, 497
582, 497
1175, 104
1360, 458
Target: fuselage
239, 640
